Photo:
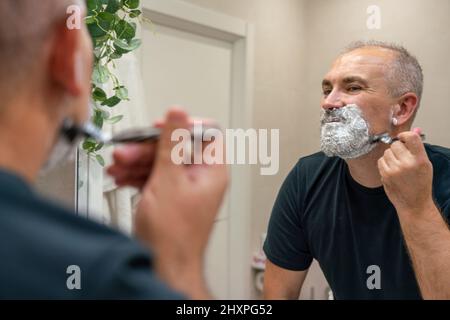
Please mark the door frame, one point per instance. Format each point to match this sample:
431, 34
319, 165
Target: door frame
240, 34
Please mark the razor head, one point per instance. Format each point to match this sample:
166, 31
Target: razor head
387, 139
72, 131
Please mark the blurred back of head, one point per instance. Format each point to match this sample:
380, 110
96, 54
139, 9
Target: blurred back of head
24, 27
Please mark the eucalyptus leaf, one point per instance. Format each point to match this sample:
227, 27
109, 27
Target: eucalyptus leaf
89, 20
98, 119
131, 46
115, 119
132, 4
92, 4
125, 30
105, 114
122, 93
111, 102
99, 95
99, 146
113, 6
95, 30
135, 13
100, 75
100, 160
115, 55
88, 145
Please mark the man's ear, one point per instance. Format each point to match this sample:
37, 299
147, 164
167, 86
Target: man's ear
66, 59
406, 108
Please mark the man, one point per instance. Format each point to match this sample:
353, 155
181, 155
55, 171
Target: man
372, 214
45, 76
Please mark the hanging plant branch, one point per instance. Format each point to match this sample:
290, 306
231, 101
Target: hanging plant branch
112, 25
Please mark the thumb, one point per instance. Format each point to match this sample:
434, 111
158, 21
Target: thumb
417, 130
176, 119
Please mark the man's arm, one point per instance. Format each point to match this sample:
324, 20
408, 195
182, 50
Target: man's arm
407, 176
428, 240
282, 284
177, 209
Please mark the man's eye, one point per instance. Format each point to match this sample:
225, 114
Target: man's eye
326, 92
354, 88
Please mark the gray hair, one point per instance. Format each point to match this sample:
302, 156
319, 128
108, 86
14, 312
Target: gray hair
24, 25
404, 74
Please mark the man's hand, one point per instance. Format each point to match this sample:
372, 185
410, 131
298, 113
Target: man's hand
407, 174
177, 210
133, 164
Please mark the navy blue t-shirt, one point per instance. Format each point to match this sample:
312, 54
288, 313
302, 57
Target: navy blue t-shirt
40, 241
322, 213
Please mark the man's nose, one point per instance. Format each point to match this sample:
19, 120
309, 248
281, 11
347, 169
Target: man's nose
332, 101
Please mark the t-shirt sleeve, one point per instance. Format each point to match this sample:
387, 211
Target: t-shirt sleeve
446, 211
286, 244
440, 158
125, 272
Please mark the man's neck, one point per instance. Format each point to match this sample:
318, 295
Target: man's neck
25, 140
364, 170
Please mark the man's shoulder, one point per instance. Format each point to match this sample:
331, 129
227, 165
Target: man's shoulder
54, 238
440, 158
440, 152
52, 219
315, 162
313, 168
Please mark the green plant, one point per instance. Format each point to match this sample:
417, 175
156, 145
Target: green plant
112, 25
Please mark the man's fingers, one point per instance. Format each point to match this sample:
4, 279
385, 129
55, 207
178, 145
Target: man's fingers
382, 166
412, 141
139, 184
399, 150
176, 119
135, 154
212, 170
118, 172
159, 123
417, 130
205, 122
390, 159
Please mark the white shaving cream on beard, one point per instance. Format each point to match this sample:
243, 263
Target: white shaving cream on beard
62, 152
345, 133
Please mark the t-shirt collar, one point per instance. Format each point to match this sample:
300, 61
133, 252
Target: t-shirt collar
12, 183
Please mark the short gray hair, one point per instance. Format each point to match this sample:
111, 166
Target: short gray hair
24, 24
404, 74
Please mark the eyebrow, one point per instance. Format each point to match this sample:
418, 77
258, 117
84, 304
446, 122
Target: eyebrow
346, 80
354, 79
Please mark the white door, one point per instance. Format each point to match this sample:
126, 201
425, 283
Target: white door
180, 68
185, 64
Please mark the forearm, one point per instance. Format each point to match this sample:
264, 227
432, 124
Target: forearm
282, 284
187, 279
427, 237
181, 270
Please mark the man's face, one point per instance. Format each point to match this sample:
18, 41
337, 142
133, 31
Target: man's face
359, 77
